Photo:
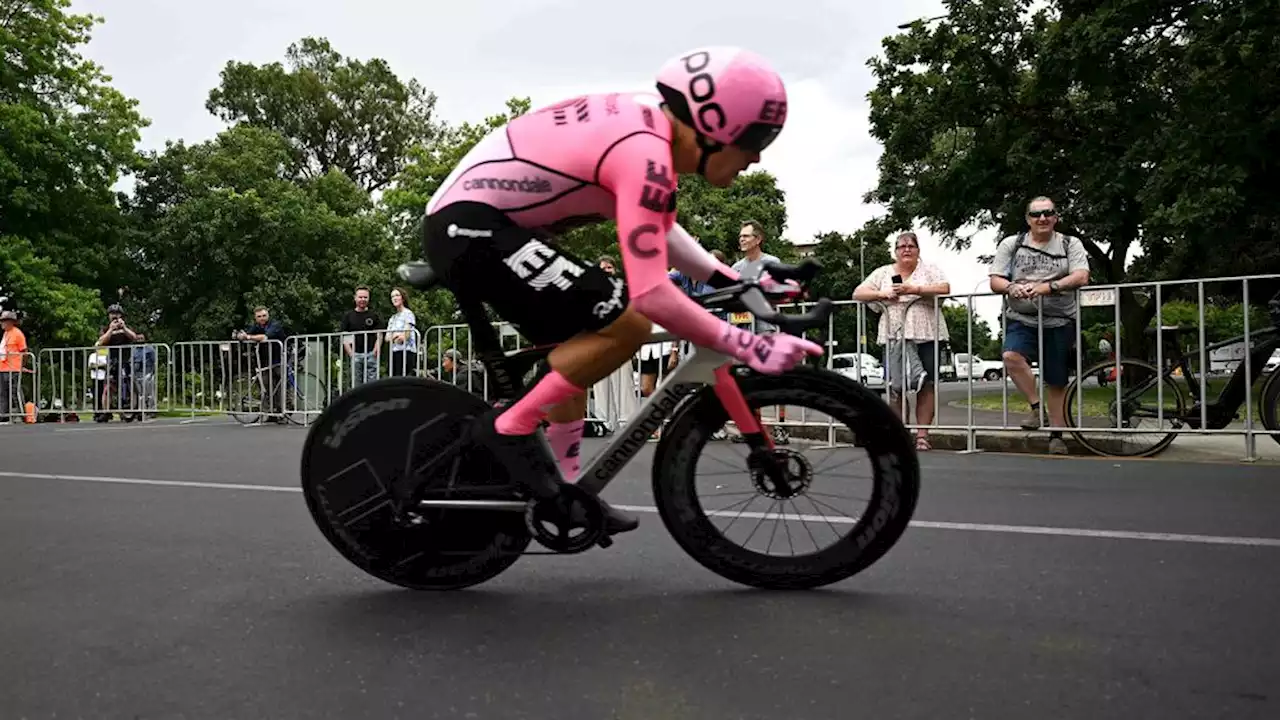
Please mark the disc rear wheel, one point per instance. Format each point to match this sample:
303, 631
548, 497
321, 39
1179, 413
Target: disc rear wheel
363, 448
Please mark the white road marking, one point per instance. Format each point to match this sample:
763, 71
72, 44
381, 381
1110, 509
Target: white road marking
932, 525
138, 427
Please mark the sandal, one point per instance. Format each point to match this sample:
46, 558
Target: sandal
922, 443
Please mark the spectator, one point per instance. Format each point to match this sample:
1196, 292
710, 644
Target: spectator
750, 267
402, 332
1036, 273
362, 344
116, 334
12, 346
607, 264
144, 377
270, 336
456, 371
909, 331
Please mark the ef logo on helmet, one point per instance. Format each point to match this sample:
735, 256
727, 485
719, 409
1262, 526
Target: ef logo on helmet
702, 87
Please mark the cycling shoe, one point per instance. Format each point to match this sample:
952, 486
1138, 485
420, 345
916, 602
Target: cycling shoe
527, 458
615, 520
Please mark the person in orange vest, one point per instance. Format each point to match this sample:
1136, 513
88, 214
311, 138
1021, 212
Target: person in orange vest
12, 346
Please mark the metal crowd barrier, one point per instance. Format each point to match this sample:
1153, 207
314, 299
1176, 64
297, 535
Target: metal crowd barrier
1087, 413
295, 380
130, 381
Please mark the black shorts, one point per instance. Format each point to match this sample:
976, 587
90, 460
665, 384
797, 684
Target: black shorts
524, 275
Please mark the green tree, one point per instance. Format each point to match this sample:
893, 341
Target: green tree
226, 228
338, 113
984, 341
65, 138
55, 312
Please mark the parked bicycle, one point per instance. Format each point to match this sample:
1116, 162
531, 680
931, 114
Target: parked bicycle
302, 394
394, 484
1141, 385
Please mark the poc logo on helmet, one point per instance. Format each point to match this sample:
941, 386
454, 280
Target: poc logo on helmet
702, 88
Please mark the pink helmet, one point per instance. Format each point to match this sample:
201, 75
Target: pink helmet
728, 95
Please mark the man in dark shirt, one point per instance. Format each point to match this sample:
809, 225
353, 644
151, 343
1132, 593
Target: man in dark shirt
270, 336
364, 343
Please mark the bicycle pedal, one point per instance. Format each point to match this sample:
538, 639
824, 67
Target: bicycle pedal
605, 541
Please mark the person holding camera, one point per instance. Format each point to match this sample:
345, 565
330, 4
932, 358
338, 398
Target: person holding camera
115, 389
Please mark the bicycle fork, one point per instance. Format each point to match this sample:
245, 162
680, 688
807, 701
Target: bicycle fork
751, 427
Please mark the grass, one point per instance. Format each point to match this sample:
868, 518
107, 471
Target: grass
1097, 400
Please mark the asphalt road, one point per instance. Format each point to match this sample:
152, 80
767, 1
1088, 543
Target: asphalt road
1029, 588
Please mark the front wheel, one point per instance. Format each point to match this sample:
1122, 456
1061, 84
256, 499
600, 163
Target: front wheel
826, 406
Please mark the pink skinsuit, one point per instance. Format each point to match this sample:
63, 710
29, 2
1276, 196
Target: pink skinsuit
594, 158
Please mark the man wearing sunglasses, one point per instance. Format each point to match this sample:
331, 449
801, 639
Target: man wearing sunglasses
1038, 271
489, 234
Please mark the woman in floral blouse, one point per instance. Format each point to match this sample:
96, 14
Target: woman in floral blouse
910, 332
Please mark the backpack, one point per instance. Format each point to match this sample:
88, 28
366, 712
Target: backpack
1022, 243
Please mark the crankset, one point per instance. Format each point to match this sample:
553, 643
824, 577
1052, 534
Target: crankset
553, 521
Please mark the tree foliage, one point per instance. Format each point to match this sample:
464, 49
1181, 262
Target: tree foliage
65, 138
338, 113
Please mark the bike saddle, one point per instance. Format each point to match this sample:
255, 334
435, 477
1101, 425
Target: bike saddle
418, 274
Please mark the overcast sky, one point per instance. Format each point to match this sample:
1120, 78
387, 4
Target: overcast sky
168, 53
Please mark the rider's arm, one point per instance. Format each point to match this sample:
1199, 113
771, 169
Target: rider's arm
694, 261
637, 172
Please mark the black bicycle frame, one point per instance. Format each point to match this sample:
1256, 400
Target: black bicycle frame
1231, 397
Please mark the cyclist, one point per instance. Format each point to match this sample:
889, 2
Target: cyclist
488, 234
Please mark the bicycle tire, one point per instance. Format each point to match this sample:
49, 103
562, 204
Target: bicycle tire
1073, 391
893, 499
1270, 410
242, 394
456, 548
301, 381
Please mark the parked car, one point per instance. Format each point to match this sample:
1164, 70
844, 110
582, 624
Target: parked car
862, 367
963, 364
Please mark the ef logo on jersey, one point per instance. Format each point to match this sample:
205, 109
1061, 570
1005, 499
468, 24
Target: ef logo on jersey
702, 88
658, 193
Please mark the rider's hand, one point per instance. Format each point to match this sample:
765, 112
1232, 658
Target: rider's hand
790, 289
777, 353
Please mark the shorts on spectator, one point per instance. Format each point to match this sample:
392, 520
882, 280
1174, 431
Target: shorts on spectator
893, 365
1059, 349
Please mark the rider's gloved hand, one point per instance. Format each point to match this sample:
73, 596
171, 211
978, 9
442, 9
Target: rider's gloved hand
772, 354
789, 288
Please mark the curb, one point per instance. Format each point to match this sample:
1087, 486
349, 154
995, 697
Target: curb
1037, 443
1012, 441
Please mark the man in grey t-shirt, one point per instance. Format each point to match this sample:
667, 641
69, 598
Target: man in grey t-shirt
750, 267
1040, 269
750, 240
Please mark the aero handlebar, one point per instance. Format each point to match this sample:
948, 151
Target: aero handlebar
750, 296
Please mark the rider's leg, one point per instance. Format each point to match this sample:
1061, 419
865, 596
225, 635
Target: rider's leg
586, 360
559, 396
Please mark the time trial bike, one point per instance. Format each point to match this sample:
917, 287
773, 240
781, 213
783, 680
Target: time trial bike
395, 484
